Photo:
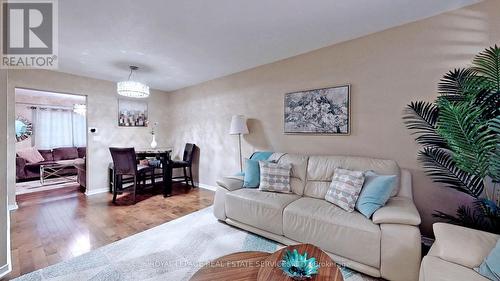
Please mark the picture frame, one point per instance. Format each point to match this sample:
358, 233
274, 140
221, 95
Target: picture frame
132, 113
323, 111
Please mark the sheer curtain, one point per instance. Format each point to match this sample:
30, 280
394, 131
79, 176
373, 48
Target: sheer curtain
79, 130
59, 128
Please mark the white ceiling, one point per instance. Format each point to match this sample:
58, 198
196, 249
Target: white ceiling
185, 42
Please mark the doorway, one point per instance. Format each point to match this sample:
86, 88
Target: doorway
51, 142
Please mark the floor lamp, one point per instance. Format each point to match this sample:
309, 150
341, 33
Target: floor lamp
239, 127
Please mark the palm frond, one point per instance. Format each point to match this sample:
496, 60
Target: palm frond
495, 125
472, 217
421, 117
465, 216
494, 171
489, 102
487, 207
469, 138
487, 64
459, 84
439, 165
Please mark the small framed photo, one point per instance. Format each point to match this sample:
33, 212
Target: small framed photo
132, 113
318, 111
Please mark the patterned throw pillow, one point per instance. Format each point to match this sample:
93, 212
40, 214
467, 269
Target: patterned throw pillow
345, 188
32, 155
274, 177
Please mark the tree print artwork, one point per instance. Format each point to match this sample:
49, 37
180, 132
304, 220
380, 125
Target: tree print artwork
320, 111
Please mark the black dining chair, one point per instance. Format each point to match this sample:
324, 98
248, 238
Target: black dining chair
125, 164
186, 164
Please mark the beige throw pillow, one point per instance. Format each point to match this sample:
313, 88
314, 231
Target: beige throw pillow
32, 155
274, 177
345, 188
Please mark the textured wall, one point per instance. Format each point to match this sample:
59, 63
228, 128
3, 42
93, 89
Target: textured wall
387, 70
102, 113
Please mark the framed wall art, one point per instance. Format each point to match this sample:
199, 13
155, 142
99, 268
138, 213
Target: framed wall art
132, 113
318, 111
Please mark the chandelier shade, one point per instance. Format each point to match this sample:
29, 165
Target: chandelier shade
132, 89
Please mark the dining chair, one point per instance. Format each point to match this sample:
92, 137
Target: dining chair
125, 164
186, 164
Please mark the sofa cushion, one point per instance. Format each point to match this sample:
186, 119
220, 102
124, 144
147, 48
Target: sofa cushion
46, 154
320, 171
65, 153
298, 172
231, 182
82, 152
350, 235
452, 241
436, 269
257, 208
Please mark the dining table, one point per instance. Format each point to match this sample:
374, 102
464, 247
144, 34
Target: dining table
164, 156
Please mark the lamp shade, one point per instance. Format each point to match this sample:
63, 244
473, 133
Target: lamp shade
238, 125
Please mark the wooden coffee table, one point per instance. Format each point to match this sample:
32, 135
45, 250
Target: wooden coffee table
260, 266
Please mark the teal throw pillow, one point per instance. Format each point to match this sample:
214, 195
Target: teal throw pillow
261, 155
252, 174
376, 191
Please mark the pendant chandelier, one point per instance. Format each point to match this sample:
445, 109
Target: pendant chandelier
132, 89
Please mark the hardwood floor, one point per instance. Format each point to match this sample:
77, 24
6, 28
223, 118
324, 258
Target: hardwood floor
57, 225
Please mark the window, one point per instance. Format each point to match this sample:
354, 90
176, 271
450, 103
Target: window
58, 127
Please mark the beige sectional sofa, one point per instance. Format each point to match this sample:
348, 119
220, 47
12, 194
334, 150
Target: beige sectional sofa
455, 253
388, 245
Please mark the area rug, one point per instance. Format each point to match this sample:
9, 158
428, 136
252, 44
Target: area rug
36, 186
171, 251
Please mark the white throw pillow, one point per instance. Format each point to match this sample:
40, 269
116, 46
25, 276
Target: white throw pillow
345, 188
32, 155
274, 177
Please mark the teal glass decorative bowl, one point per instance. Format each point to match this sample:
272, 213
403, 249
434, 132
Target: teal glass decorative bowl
297, 266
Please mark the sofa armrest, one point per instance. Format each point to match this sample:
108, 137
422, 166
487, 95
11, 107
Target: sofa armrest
398, 210
20, 164
464, 246
231, 183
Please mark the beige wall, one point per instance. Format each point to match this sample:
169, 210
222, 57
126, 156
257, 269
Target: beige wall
102, 102
4, 218
387, 70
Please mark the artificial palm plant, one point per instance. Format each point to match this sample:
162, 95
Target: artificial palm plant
460, 138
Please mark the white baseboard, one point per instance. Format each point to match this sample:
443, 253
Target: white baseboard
96, 191
206, 186
103, 190
5, 269
12, 207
